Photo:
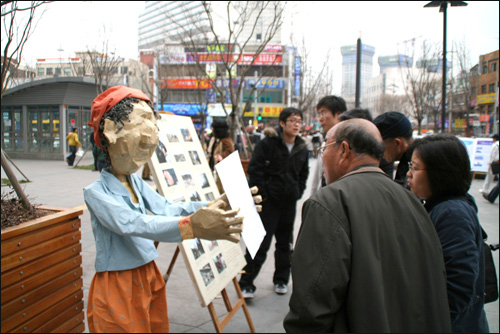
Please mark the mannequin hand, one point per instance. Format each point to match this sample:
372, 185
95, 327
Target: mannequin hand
256, 199
212, 223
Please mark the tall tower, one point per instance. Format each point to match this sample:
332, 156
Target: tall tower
349, 69
165, 22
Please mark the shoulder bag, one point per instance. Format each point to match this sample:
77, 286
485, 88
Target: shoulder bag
491, 282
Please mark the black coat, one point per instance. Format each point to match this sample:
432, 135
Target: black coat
280, 175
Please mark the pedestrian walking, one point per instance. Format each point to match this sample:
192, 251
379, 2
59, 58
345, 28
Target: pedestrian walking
490, 176
221, 145
367, 257
329, 109
279, 168
73, 144
439, 173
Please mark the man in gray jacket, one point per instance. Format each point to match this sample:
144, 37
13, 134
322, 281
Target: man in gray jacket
367, 258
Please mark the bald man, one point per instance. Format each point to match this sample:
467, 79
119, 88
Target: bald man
357, 266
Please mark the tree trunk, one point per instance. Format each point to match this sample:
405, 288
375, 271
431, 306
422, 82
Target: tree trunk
15, 184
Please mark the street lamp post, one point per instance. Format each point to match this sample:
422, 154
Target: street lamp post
443, 5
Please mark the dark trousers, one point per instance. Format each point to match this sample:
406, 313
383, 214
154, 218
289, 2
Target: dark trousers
71, 158
492, 196
278, 221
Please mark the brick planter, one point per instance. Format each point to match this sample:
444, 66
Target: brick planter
42, 274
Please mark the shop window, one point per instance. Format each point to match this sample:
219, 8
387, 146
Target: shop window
43, 128
12, 128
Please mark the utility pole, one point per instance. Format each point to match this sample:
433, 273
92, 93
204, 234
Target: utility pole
358, 74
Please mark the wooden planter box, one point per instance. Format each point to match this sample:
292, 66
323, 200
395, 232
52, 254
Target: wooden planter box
42, 275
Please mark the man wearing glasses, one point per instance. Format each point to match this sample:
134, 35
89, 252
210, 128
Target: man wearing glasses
329, 109
358, 266
279, 168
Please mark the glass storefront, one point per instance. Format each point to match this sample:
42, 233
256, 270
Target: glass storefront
43, 129
12, 128
79, 117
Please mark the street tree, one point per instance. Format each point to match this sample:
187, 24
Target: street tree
316, 82
421, 82
18, 23
227, 54
462, 95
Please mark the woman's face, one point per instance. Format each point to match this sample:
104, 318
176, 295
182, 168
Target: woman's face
418, 179
134, 144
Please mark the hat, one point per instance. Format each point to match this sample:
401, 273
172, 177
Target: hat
105, 101
392, 124
495, 136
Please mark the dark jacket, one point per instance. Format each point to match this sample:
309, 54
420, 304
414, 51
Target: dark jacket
457, 225
359, 267
280, 175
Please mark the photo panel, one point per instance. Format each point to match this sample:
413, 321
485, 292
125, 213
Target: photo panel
196, 247
170, 177
186, 135
219, 262
207, 274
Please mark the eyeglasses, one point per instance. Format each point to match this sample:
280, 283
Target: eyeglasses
321, 150
413, 168
295, 120
323, 113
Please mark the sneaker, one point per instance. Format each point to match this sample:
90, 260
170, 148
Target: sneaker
280, 288
247, 293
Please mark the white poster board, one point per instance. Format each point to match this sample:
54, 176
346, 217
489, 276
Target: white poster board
235, 185
181, 173
479, 150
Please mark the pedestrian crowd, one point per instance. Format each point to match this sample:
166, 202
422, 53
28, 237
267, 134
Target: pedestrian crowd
380, 248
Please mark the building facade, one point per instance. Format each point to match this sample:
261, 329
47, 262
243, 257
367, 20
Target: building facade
37, 116
484, 92
193, 71
349, 55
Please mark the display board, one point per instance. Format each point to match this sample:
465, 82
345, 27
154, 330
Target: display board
479, 150
181, 173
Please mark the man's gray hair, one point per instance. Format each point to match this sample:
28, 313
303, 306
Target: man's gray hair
360, 140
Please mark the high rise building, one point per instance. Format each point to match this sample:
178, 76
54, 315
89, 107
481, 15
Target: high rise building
166, 22
349, 69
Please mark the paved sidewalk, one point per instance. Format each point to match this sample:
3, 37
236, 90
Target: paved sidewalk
56, 184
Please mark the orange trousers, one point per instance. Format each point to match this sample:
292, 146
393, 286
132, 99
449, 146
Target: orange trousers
128, 301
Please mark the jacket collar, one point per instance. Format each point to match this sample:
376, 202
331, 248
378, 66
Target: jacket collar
112, 183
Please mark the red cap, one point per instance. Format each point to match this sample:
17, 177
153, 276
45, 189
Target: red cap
107, 100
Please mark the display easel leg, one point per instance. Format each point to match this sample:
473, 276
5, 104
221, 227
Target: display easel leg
171, 266
219, 326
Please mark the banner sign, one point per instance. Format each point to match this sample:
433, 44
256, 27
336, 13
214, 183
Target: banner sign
217, 58
181, 109
269, 83
479, 152
296, 89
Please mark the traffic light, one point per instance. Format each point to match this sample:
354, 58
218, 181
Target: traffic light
259, 117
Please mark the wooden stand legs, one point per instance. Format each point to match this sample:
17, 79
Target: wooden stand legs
219, 326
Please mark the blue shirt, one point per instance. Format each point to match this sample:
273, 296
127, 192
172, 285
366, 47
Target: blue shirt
123, 231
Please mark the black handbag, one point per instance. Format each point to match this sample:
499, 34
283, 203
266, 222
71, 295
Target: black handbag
494, 167
491, 282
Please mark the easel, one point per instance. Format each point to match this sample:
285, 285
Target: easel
219, 325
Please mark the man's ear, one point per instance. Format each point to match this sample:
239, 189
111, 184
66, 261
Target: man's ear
345, 151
